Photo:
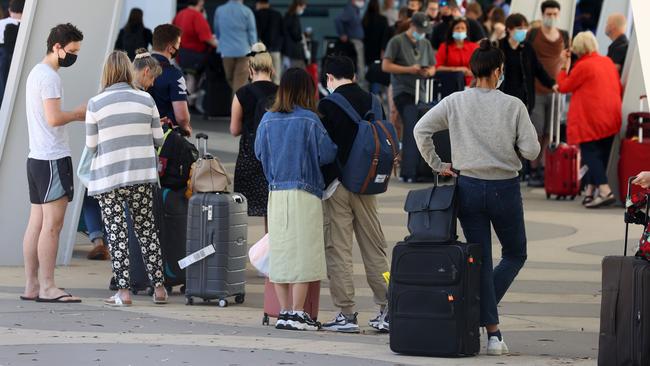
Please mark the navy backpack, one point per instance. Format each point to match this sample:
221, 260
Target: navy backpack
374, 152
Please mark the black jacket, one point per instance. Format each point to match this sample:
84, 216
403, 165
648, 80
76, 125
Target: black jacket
293, 47
129, 40
521, 69
341, 129
376, 36
269, 28
475, 32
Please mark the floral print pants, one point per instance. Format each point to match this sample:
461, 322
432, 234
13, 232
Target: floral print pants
139, 199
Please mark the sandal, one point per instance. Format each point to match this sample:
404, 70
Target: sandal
600, 201
588, 199
117, 301
160, 300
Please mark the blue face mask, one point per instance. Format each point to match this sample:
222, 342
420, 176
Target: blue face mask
500, 80
520, 35
460, 36
418, 36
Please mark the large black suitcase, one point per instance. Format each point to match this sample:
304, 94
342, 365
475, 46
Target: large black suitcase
625, 306
434, 301
172, 219
218, 94
219, 220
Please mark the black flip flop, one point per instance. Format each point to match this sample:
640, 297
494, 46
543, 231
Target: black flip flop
25, 298
58, 300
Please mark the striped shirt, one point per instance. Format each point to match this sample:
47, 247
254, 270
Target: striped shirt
122, 128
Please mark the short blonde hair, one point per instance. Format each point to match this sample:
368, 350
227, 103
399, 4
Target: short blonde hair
260, 59
584, 43
117, 69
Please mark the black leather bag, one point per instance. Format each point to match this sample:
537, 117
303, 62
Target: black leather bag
432, 214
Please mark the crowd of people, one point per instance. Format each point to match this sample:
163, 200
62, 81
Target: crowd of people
293, 147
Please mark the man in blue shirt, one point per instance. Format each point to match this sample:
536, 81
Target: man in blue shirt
350, 29
234, 26
169, 90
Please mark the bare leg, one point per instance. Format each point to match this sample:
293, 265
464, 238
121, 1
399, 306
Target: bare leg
604, 190
299, 292
282, 292
48, 245
30, 251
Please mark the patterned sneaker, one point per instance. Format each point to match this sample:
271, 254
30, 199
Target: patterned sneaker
380, 322
343, 323
304, 322
281, 323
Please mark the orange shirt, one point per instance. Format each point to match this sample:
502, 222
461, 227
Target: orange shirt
595, 108
451, 55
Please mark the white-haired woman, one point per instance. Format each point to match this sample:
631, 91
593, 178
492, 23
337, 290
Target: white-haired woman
594, 113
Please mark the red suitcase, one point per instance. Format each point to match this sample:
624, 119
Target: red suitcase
272, 305
562, 161
635, 148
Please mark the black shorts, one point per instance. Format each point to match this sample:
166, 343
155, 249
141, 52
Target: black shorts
50, 180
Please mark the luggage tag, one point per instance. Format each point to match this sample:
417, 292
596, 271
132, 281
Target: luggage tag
196, 256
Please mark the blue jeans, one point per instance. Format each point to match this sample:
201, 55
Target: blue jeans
496, 202
93, 218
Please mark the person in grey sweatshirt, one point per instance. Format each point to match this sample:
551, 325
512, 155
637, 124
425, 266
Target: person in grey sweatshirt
489, 132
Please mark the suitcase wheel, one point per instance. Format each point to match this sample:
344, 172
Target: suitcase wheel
573, 198
239, 299
169, 289
150, 291
134, 291
223, 303
265, 319
189, 300
548, 196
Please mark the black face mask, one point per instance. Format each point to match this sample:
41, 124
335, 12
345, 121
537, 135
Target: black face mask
68, 60
174, 54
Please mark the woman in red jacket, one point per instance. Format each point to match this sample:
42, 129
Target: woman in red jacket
454, 54
594, 113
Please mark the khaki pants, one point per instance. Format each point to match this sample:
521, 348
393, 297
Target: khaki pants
236, 69
346, 213
361, 62
277, 67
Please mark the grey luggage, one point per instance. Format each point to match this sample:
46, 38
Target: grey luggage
625, 304
217, 220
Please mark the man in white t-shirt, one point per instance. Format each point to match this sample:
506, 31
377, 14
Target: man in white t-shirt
49, 166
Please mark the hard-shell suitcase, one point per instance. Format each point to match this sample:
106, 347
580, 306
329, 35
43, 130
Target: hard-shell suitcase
272, 304
434, 299
635, 148
562, 161
219, 220
413, 167
625, 309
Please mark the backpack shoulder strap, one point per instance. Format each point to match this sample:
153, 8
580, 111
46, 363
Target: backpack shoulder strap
533, 34
375, 109
565, 38
345, 105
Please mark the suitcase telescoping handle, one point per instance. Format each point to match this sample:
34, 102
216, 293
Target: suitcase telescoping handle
202, 137
428, 90
641, 121
556, 116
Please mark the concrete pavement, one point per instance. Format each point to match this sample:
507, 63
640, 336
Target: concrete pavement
550, 316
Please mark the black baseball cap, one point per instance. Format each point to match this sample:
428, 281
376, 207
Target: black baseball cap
421, 22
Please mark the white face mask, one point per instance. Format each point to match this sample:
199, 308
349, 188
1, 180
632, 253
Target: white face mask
550, 22
359, 4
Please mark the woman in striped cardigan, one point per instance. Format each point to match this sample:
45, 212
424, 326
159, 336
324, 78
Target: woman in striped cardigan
122, 130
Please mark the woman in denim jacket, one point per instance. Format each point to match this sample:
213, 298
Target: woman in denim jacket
292, 145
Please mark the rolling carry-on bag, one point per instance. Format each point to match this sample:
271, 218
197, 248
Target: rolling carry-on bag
434, 299
272, 304
635, 148
218, 226
625, 305
562, 161
413, 167
171, 216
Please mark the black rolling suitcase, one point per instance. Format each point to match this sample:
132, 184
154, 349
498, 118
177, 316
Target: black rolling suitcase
217, 90
625, 305
172, 218
434, 299
413, 167
217, 224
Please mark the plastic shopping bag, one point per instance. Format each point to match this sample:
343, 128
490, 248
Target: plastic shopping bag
259, 255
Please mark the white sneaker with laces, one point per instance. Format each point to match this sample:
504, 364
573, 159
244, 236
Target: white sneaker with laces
343, 324
496, 347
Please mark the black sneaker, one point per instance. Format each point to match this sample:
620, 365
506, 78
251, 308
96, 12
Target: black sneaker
343, 323
301, 321
281, 323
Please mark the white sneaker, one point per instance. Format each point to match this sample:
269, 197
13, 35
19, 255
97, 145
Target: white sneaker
496, 347
343, 324
380, 322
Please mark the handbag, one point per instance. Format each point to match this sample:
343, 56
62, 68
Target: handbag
432, 214
83, 170
259, 255
208, 174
